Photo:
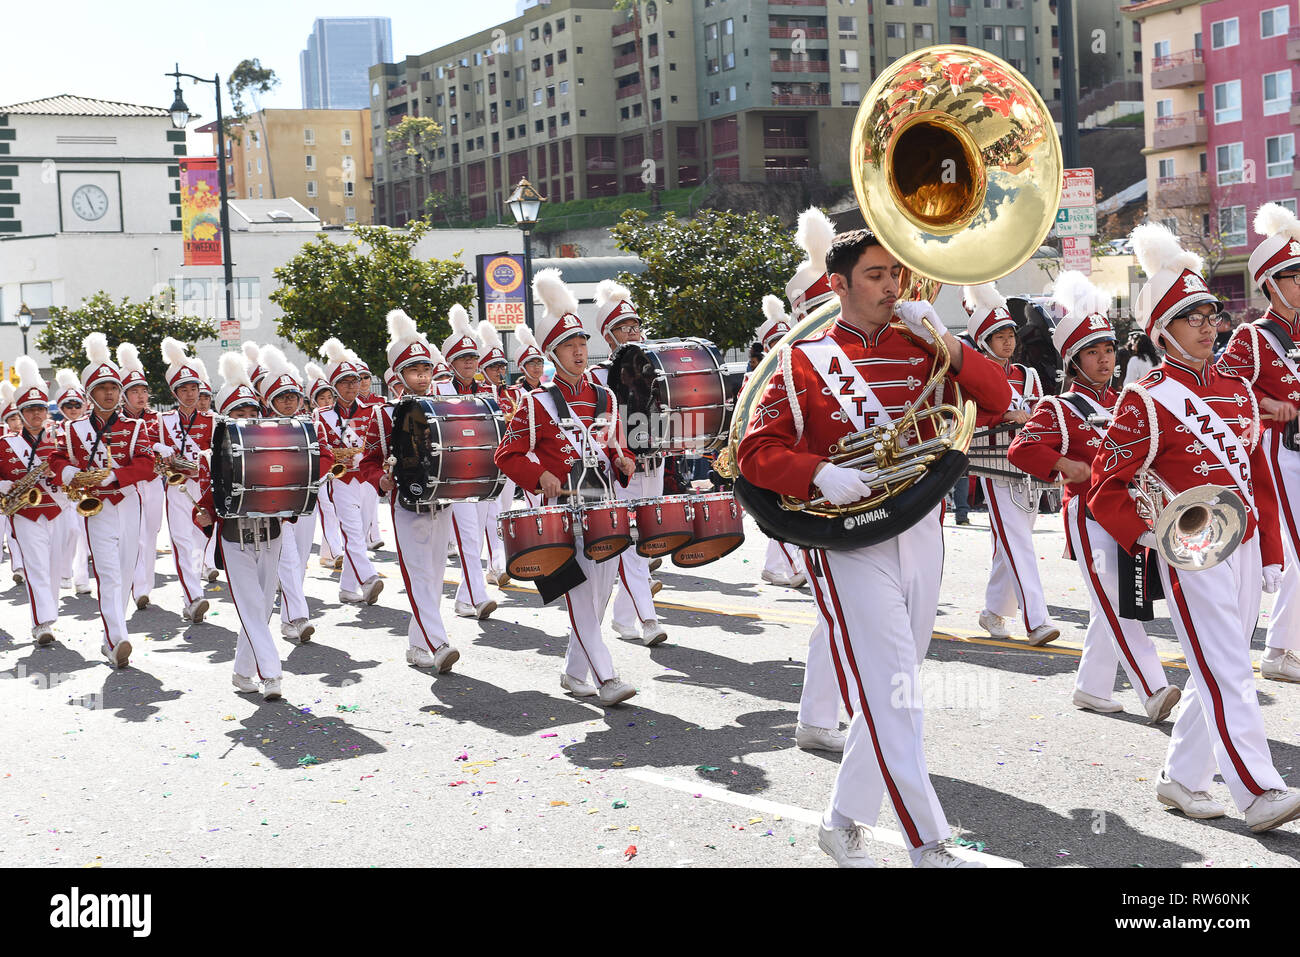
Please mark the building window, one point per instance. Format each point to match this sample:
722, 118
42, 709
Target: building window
1288, 203
250, 192
259, 190
259, 166
850, 94
895, 31
311, 187
714, 99
1232, 226
1160, 50
349, 214
1228, 162
347, 136
1164, 108
1277, 92
1274, 22
1018, 34
849, 60
1166, 168
249, 165
349, 188
993, 34
1223, 34
1279, 152
848, 28
309, 136
311, 161
537, 97
1227, 102
347, 161
923, 32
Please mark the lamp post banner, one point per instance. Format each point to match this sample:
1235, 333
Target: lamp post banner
200, 210
502, 289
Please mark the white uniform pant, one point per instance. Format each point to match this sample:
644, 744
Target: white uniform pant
467, 520
422, 557
252, 575
331, 534
357, 569
188, 542
370, 512
587, 654
878, 605
72, 538
1284, 623
1220, 724
1013, 581
1110, 640
151, 516
40, 541
634, 602
783, 560
492, 529
114, 539
819, 701
210, 554
15, 550
295, 550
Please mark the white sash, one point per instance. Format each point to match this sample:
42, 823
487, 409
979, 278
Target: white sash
1280, 349
86, 435
1208, 427
859, 403
546, 402
342, 428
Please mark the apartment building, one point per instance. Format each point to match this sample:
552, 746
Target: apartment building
1221, 116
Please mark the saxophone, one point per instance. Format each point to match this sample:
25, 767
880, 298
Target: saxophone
25, 492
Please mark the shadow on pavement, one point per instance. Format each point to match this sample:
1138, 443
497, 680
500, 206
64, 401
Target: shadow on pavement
282, 733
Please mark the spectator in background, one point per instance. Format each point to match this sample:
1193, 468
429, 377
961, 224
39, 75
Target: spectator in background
755, 355
1143, 359
1223, 332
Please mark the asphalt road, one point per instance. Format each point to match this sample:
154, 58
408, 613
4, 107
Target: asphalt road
368, 761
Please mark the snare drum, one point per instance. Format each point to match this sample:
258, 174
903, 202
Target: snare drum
663, 524
606, 530
719, 528
538, 541
675, 395
264, 468
445, 447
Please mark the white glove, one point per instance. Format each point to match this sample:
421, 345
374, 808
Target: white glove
1272, 578
108, 480
912, 312
1147, 540
841, 486
5, 487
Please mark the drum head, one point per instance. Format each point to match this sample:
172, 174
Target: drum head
704, 550
411, 444
540, 560
632, 379
223, 466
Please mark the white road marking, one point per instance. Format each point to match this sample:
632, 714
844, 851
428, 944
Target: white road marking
881, 835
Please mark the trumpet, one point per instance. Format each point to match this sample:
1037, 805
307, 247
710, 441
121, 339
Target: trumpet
177, 470
1195, 529
346, 454
25, 493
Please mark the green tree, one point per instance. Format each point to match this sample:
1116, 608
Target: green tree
347, 289
142, 323
707, 276
452, 210
250, 78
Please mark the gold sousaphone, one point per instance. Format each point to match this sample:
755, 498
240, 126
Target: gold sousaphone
957, 169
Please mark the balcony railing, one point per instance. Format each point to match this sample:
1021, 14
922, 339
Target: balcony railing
785, 142
957, 9
621, 28
1178, 69
723, 146
1191, 189
801, 66
625, 59
801, 99
798, 3
624, 92
1181, 129
787, 33
1293, 44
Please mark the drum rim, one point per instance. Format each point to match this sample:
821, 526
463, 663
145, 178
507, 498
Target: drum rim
658, 499
537, 510
740, 540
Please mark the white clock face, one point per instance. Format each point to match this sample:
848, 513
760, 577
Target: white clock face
90, 202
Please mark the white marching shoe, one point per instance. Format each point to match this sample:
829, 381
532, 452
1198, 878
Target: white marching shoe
370, 590
351, 597
195, 610
995, 625
299, 630
655, 563
43, 633
1161, 704
1285, 667
614, 691
577, 687
1090, 702
499, 577
846, 846
442, 659
481, 611
243, 685
271, 689
211, 574
941, 855
65, 583
118, 656
1199, 805
1044, 633
819, 739
1272, 808
654, 634
84, 588
19, 578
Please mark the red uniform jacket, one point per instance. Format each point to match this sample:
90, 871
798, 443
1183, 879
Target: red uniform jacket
379, 439
182, 435
534, 443
15, 452
1132, 439
341, 427
133, 459
1057, 430
775, 454
1252, 356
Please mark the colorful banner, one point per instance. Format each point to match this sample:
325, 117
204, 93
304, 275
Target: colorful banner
501, 289
201, 210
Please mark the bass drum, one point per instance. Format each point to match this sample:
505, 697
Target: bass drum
445, 447
264, 468
673, 394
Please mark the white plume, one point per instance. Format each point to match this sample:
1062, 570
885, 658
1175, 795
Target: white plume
96, 346
1076, 294
1157, 248
459, 320
173, 351
815, 235
128, 358
29, 374
252, 353
1275, 218
274, 362
401, 327
488, 335
983, 298
66, 379
201, 368
436, 358
524, 336
554, 294
608, 291
6, 394
314, 372
774, 309
333, 351
233, 370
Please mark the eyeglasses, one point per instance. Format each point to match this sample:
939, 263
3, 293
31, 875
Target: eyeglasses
1295, 277
1197, 319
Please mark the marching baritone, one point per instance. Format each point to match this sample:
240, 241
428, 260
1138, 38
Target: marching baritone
1013, 580
75, 573
101, 459
135, 405
1263, 353
877, 602
1188, 425
1061, 439
562, 430
29, 501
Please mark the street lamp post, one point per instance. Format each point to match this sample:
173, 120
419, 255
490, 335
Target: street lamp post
180, 116
24, 323
525, 203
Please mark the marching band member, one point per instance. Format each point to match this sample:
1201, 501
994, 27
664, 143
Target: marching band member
1061, 440
205, 394
462, 351
106, 439
393, 383
1213, 609
559, 427
13, 426
321, 396
1013, 581
784, 564
184, 437
421, 531
135, 405
342, 427
282, 393
71, 401
367, 398
532, 363
493, 365
878, 602
35, 527
1263, 353
634, 617
253, 361
209, 572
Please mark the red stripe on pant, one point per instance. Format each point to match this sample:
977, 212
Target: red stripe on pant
904, 818
464, 568
99, 592
1211, 686
1280, 484
1002, 537
1112, 619
27, 572
406, 579
623, 576
830, 636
